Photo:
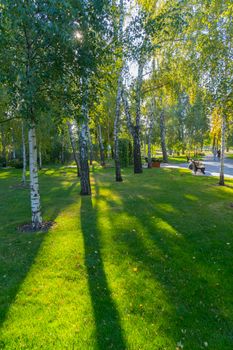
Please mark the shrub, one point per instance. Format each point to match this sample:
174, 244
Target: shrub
16, 163
2, 162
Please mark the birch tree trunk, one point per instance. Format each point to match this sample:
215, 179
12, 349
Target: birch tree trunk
34, 184
84, 166
24, 156
135, 132
223, 134
163, 137
74, 148
151, 124
116, 131
136, 136
149, 142
101, 145
83, 145
135, 129
137, 151
118, 99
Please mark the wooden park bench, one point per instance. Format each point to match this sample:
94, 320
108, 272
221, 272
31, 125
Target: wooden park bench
197, 165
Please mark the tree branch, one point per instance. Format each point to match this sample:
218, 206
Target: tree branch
8, 120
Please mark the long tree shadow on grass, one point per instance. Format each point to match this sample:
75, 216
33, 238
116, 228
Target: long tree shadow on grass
107, 321
18, 251
188, 260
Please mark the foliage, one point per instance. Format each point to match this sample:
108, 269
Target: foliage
15, 163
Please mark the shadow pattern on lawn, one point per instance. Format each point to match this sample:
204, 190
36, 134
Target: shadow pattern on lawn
18, 251
108, 328
190, 268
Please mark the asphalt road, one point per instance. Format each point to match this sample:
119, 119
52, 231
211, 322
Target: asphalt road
212, 166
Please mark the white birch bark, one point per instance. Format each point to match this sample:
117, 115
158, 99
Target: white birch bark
118, 99
24, 156
138, 92
151, 124
223, 141
74, 145
135, 129
34, 184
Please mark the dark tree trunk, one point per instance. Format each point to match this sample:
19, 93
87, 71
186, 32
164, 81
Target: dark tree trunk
84, 140
163, 137
101, 145
84, 166
116, 133
137, 151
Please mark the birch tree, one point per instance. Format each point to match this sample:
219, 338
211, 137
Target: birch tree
73, 142
33, 40
83, 143
118, 175
135, 128
163, 135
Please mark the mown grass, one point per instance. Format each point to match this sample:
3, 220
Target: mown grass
177, 159
229, 155
182, 159
143, 264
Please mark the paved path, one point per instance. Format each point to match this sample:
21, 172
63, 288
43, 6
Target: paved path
212, 166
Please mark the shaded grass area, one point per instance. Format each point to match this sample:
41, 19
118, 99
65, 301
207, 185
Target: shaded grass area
143, 264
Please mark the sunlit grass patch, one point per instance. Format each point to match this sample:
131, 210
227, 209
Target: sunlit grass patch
144, 264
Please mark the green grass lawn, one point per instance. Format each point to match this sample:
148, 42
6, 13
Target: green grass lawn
143, 264
181, 159
229, 155
177, 159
